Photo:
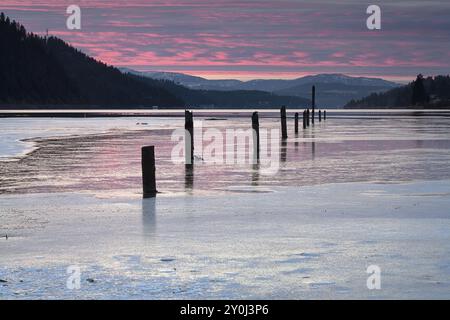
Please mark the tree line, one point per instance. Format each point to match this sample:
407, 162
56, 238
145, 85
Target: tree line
429, 92
48, 72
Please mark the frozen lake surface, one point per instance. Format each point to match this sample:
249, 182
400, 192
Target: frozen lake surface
350, 192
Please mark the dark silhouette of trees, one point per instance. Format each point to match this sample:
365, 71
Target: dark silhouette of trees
419, 95
423, 92
45, 72
27, 72
41, 71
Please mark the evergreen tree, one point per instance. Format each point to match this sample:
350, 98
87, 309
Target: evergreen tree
419, 94
429, 92
34, 71
50, 72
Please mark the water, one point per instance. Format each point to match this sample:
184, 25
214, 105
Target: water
103, 155
357, 190
16, 132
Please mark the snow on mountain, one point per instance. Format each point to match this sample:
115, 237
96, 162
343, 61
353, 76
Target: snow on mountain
334, 90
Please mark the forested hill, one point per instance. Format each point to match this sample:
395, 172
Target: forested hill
430, 92
47, 72
226, 99
36, 70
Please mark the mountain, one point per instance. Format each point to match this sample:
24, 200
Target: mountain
283, 85
334, 94
215, 98
430, 92
191, 82
332, 90
47, 71
236, 99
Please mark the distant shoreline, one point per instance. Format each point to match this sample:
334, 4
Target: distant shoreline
232, 113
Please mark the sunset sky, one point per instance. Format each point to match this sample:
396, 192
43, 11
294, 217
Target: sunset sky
252, 38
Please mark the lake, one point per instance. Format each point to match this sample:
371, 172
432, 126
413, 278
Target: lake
359, 189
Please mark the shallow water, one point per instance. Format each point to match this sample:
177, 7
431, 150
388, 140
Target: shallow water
339, 150
350, 192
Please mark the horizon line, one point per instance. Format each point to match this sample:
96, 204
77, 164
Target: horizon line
282, 75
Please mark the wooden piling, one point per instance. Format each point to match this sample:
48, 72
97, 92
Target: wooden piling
296, 122
148, 172
304, 119
283, 123
307, 117
189, 137
320, 115
255, 127
324, 115
313, 98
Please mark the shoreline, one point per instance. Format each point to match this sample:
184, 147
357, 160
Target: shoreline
126, 113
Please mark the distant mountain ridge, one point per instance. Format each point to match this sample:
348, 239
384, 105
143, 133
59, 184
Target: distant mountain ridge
191, 82
333, 90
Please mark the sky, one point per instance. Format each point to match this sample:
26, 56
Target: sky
248, 39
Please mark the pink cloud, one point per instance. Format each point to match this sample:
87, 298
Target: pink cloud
257, 37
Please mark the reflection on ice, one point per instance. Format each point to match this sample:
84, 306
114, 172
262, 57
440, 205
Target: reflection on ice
189, 177
346, 196
290, 243
149, 216
338, 150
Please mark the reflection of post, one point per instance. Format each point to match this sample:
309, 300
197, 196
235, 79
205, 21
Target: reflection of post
283, 123
189, 177
283, 151
296, 122
255, 175
313, 149
313, 103
149, 216
148, 172
320, 115
189, 137
255, 127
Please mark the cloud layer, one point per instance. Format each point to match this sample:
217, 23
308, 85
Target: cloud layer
253, 38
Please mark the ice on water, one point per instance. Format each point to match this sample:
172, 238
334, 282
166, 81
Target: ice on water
351, 192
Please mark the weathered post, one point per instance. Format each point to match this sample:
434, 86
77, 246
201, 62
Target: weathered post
283, 123
148, 172
296, 122
307, 117
189, 137
304, 119
313, 103
324, 115
255, 127
320, 115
